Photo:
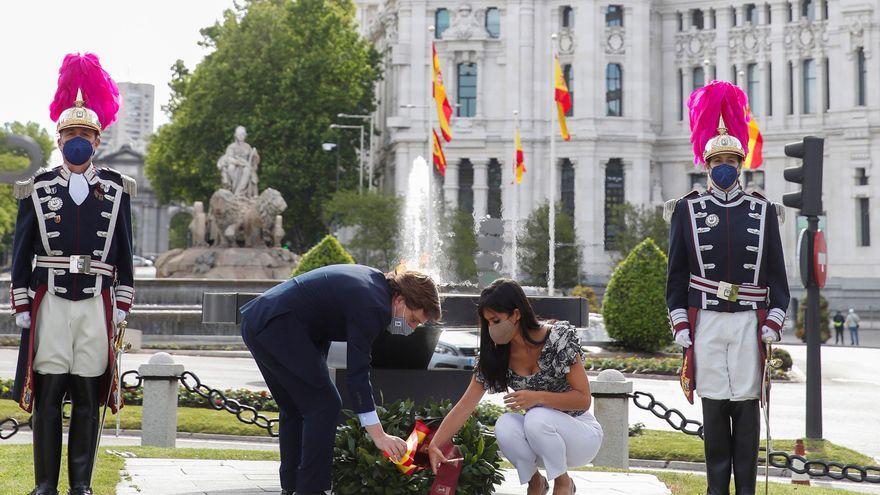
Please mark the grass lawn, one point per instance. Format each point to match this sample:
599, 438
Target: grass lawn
692, 484
189, 420
107, 476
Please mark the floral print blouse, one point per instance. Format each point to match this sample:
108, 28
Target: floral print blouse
560, 352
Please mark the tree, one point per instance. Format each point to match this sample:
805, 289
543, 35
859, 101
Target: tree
11, 160
460, 245
376, 220
327, 252
634, 307
284, 70
824, 320
633, 224
534, 249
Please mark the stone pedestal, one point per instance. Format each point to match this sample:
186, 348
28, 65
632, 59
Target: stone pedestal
610, 394
159, 419
227, 263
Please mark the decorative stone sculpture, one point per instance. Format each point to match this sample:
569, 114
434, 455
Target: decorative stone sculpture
198, 226
278, 233
236, 220
238, 166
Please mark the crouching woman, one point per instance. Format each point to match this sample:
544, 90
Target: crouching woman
542, 364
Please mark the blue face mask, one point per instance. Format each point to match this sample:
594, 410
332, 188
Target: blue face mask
724, 175
399, 326
78, 150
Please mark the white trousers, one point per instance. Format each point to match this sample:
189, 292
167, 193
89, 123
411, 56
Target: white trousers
727, 355
71, 337
548, 438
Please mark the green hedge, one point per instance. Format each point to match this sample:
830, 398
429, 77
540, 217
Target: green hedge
327, 252
634, 307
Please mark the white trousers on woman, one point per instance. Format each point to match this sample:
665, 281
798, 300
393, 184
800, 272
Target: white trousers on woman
549, 438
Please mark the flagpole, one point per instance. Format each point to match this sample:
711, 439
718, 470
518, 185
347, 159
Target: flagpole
551, 223
515, 267
429, 242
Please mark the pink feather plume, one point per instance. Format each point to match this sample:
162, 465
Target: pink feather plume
707, 104
100, 93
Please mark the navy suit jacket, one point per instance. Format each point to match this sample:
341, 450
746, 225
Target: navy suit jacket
336, 303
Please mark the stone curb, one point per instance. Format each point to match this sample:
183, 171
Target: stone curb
696, 466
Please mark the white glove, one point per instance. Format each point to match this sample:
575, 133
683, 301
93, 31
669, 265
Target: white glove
23, 319
119, 316
683, 338
768, 335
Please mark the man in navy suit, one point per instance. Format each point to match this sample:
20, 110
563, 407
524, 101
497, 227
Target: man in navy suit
288, 329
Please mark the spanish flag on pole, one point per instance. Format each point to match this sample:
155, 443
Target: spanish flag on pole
519, 160
562, 97
444, 109
756, 144
439, 157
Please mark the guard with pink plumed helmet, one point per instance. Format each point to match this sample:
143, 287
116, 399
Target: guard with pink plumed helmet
72, 278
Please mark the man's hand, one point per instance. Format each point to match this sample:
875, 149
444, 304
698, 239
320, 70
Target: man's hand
683, 338
119, 316
23, 319
523, 400
393, 446
768, 335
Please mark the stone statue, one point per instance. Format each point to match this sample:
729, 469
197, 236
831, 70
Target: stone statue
238, 166
238, 220
198, 226
278, 233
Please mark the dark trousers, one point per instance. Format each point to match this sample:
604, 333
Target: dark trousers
295, 370
731, 432
838, 335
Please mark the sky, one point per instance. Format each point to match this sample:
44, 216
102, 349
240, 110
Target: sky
137, 41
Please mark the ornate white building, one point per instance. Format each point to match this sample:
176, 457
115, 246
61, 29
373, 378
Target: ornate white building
807, 65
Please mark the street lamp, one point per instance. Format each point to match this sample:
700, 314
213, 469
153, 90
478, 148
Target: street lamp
360, 151
328, 147
372, 160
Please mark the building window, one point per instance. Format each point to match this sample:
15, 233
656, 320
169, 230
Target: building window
826, 83
697, 20
861, 176
699, 77
614, 90
567, 17
712, 24
864, 222
825, 10
769, 87
768, 14
466, 186
614, 15
613, 198
790, 10
493, 22
752, 85
733, 17
680, 94
680, 19
809, 69
441, 22
751, 14
753, 180
808, 10
567, 187
494, 206
467, 89
733, 75
861, 71
568, 75
791, 88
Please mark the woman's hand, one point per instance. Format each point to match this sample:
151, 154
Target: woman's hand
436, 457
523, 400
393, 446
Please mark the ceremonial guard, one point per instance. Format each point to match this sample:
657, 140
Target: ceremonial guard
727, 290
72, 278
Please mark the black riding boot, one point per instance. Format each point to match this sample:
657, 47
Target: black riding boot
746, 416
83, 439
717, 445
46, 424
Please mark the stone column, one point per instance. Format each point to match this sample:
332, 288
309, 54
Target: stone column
611, 407
481, 187
450, 185
779, 71
159, 418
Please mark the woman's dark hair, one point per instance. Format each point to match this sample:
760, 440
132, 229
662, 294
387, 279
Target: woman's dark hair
503, 296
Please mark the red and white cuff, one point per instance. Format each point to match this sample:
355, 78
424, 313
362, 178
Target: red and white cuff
124, 297
775, 319
679, 319
20, 300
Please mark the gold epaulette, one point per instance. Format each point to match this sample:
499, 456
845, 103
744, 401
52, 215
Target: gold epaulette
668, 208
780, 212
129, 185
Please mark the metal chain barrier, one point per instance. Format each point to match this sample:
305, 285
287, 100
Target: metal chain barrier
244, 413
11, 426
792, 462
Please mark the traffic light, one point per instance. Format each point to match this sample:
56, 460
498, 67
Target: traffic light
808, 174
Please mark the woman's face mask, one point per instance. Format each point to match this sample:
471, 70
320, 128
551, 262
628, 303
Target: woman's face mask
502, 332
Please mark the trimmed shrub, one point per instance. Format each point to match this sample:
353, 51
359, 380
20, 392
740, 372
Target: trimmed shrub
327, 252
589, 294
784, 357
358, 467
634, 307
824, 320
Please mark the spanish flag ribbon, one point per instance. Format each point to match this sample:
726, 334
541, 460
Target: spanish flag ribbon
444, 108
519, 159
756, 144
439, 157
407, 464
562, 97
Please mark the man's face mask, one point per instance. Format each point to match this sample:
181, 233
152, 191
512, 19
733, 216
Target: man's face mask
78, 150
399, 325
502, 332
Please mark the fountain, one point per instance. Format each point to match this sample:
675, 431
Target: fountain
421, 248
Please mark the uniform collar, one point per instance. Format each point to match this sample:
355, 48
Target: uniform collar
91, 174
727, 196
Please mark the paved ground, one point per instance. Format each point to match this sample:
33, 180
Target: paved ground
192, 477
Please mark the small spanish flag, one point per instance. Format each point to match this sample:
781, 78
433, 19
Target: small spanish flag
444, 108
519, 160
439, 157
756, 144
407, 464
562, 97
